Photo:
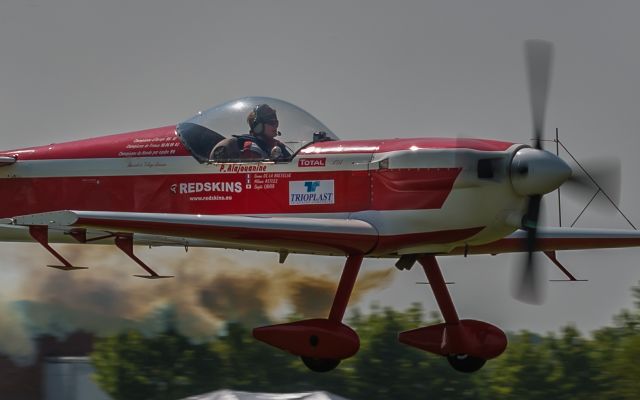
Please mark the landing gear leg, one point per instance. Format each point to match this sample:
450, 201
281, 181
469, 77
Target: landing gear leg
320, 343
345, 287
466, 343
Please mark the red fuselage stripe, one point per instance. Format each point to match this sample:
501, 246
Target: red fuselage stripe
231, 193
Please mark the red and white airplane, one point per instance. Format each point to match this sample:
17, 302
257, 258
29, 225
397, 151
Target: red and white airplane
405, 199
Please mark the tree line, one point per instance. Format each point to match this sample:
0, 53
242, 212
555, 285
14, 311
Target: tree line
562, 365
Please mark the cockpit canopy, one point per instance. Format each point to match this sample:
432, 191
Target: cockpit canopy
201, 133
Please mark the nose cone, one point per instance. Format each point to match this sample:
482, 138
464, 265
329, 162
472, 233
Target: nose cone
536, 171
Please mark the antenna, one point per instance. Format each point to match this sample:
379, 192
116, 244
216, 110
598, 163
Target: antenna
559, 203
589, 178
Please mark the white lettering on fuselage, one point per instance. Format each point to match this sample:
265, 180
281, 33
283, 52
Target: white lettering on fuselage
312, 162
208, 187
243, 168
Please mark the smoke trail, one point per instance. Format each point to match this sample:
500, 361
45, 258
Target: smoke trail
15, 339
309, 296
210, 287
238, 297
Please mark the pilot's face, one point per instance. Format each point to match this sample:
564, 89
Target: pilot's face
271, 128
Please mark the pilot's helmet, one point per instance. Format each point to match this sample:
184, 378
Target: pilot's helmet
261, 114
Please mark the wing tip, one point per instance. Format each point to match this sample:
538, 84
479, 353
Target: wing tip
52, 218
7, 160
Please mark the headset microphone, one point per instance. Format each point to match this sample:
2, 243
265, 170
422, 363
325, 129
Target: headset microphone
279, 133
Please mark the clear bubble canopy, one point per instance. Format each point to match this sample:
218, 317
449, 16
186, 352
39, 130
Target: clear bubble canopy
203, 131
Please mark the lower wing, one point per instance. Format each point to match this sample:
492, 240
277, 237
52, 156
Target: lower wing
278, 234
552, 239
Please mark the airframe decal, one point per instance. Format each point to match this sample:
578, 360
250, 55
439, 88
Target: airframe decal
311, 192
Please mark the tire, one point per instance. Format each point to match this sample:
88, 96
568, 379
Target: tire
320, 364
466, 363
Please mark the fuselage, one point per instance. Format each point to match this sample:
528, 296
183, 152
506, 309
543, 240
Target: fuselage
423, 194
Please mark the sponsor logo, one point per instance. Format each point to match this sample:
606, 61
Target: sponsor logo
312, 162
243, 168
311, 192
206, 187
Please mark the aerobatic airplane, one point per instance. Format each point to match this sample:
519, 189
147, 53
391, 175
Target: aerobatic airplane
412, 200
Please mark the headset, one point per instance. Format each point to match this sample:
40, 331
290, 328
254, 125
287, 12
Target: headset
257, 126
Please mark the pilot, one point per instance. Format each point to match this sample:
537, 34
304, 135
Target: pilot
259, 144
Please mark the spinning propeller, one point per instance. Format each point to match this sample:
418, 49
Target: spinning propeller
539, 56
535, 172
